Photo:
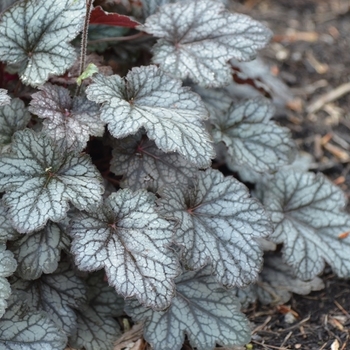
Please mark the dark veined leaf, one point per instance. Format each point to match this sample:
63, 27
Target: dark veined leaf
39, 252
100, 16
252, 139
40, 179
103, 298
34, 36
7, 232
217, 101
199, 37
308, 217
24, 328
4, 4
58, 294
204, 312
144, 165
148, 98
278, 282
13, 117
95, 331
7, 268
66, 120
4, 98
130, 240
217, 222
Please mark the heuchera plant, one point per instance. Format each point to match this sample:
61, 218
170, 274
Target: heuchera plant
114, 194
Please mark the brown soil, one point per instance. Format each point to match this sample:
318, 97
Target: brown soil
310, 51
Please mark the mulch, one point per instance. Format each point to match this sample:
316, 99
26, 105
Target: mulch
310, 52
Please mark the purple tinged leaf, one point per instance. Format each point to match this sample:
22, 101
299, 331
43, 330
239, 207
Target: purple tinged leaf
202, 310
144, 165
35, 35
307, 212
39, 252
252, 139
23, 327
217, 222
199, 37
58, 294
40, 180
7, 267
66, 120
131, 242
13, 117
148, 98
4, 98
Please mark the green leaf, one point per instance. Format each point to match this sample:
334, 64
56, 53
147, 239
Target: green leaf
252, 139
69, 121
13, 117
199, 37
23, 328
40, 180
39, 252
147, 98
89, 71
204, 312
144, 165
130, 241
34, 36
58, 294
217, 222
308, 215
7, 267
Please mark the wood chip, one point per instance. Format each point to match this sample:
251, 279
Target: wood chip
328, 97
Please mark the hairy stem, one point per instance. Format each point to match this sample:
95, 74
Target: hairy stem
84, 37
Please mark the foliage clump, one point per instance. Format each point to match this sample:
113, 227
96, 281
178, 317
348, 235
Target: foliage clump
123, 191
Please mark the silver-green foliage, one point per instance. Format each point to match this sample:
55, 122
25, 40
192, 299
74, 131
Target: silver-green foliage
173, 236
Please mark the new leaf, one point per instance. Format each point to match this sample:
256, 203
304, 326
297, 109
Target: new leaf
40, 180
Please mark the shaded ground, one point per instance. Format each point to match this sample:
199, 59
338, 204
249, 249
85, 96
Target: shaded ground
311, 53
